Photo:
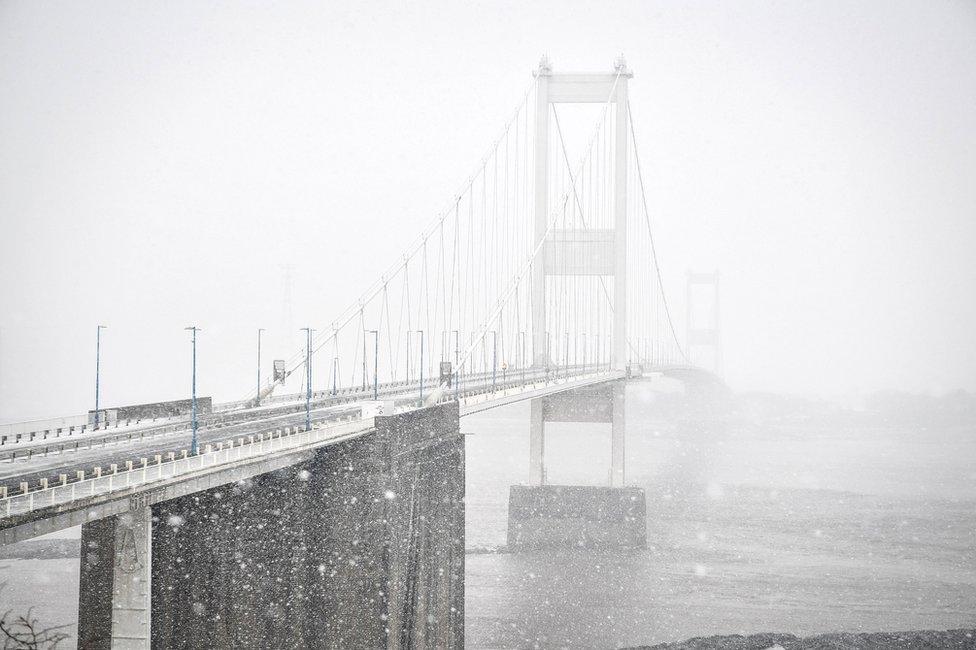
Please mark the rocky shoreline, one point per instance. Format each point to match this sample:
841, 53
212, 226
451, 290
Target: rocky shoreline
913, 640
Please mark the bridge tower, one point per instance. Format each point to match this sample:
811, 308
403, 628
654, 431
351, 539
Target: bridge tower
597, 252
702, 325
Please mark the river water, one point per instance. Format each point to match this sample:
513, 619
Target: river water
789, 522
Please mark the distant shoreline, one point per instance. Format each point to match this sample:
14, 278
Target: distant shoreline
910, 640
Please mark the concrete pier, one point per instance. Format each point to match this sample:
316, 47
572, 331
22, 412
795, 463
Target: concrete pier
363, 546
574, 516
114, 599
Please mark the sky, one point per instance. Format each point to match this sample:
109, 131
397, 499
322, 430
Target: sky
167, 164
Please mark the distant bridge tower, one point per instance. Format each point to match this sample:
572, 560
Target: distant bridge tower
595, 252
702, 322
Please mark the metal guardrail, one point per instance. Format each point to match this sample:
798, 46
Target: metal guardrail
251, 446
14, 433
53, 432
22, 432
87, 442
158, 427
469, 385
11, 429
222, 411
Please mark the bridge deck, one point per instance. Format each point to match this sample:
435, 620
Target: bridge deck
230, 452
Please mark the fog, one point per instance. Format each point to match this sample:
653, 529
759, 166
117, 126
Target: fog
246, 167
161, 163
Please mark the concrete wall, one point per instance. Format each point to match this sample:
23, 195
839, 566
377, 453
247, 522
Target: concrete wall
153, 410
362, 547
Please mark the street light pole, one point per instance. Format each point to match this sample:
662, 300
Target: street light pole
457, 361
566, 356
308, 376
376, 362
257, 399
494, 358
522, 354
98, 360
421, 332
548, 354
335, 375
193, 394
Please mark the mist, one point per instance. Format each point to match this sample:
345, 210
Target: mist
162, 165
455, 324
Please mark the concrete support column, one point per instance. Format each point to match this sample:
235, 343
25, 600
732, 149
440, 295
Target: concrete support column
622, 136
116, 564
617, 435
537, 444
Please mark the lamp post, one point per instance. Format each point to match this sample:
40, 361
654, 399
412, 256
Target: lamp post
421, 332
598, 361
566, 356
376, 362
522, 354
494, 358
335, 361
98, 360
257, 399
335, 375
308, 376
457, 361
364, 358
548, 353
193, 393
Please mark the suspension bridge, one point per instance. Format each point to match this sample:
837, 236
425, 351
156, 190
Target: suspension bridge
537, 281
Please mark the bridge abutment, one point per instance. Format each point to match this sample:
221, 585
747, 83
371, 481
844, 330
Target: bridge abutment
363, 546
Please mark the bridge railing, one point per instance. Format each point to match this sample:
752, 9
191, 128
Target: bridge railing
44, 445
175, 464
172, 466
11, 429
14, 433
